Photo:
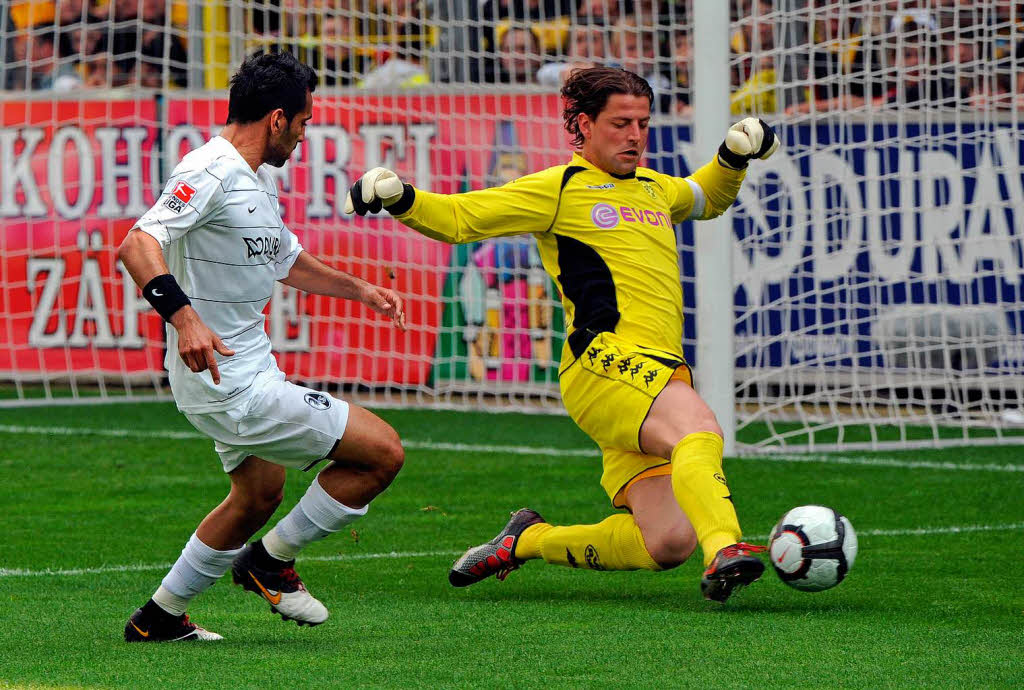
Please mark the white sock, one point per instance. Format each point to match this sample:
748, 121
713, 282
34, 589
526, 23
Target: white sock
196, 569
314, 517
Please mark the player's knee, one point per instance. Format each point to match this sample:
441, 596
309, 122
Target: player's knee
670, 548
392, 457
706, 421
261, 502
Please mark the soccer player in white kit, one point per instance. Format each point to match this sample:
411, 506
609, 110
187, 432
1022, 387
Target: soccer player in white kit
207, 256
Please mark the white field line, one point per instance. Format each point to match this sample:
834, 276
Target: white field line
396, 555
540, 450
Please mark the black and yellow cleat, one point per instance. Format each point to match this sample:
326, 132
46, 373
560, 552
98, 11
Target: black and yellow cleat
733, 568
152, 624
496, 557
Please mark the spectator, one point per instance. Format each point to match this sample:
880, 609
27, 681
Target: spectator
79, 38
586, 47
153, 61
37, 47
607, 12
961, 55
1019, 72
144, 49
544, 16
339, 58
636, 50
654, 13
519, 54
844, 71
915, 57
405, 33
682, 57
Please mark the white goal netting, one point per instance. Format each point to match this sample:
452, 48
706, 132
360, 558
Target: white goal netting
878, 262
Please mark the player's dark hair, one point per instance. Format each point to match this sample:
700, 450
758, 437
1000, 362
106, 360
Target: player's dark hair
266, 82
588, 90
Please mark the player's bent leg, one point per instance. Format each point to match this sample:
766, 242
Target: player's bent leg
682, 427
667, 533
365, 461
255, 494
256, 491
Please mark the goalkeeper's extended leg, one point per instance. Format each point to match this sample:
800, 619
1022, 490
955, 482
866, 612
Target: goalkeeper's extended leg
656, 536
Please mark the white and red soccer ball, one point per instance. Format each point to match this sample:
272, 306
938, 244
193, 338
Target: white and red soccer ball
812, 548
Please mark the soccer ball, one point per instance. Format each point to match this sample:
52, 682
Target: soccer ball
812, 548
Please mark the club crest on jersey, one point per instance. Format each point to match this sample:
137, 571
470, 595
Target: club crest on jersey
318, 401
262, 246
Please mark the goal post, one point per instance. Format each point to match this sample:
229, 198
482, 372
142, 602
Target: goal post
713, 239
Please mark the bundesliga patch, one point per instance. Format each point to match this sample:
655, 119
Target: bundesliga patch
179, 198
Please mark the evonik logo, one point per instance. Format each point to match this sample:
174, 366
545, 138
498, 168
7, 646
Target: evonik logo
606, 216
262, 246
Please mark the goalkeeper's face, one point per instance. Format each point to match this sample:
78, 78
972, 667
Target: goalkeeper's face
285, 135
617, 138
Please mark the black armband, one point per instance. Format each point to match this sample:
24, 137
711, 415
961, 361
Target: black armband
165, 295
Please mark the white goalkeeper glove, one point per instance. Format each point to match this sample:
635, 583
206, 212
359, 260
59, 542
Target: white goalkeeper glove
747, 139
376, 189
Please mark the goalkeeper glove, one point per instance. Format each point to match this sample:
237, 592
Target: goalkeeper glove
377, 188
747, 139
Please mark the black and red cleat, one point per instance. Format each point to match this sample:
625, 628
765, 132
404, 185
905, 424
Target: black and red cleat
496, 557
152, 624
733, 568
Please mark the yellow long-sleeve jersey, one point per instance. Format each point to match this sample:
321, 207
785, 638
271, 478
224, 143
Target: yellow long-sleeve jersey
608, 241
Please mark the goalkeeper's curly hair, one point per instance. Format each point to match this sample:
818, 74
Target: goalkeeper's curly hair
587, 91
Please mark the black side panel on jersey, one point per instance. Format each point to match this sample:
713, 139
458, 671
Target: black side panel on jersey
587, 281
567, 174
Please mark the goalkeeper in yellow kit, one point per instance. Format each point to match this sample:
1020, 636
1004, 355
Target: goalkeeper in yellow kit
604, 229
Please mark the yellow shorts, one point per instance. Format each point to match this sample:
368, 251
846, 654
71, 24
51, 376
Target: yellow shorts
608, 392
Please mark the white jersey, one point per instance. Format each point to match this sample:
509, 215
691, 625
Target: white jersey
224, 241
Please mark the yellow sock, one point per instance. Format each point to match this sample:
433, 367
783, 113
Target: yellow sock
613, 544
699, 485
528, 544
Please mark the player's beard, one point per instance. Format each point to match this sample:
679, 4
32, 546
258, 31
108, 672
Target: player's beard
279, 152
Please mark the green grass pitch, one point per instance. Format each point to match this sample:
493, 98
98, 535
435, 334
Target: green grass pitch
89, 523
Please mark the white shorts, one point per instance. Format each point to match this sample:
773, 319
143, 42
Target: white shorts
282, 423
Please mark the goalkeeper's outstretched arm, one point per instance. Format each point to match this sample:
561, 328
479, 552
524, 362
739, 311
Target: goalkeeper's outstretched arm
525, 205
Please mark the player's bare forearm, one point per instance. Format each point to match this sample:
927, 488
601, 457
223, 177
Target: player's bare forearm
142, 256
309, 274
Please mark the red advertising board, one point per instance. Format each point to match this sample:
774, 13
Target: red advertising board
76, 175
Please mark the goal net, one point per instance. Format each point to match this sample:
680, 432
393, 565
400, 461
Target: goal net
877, 260
878, 263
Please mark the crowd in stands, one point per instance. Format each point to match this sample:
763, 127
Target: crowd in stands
794, 55
72, 44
